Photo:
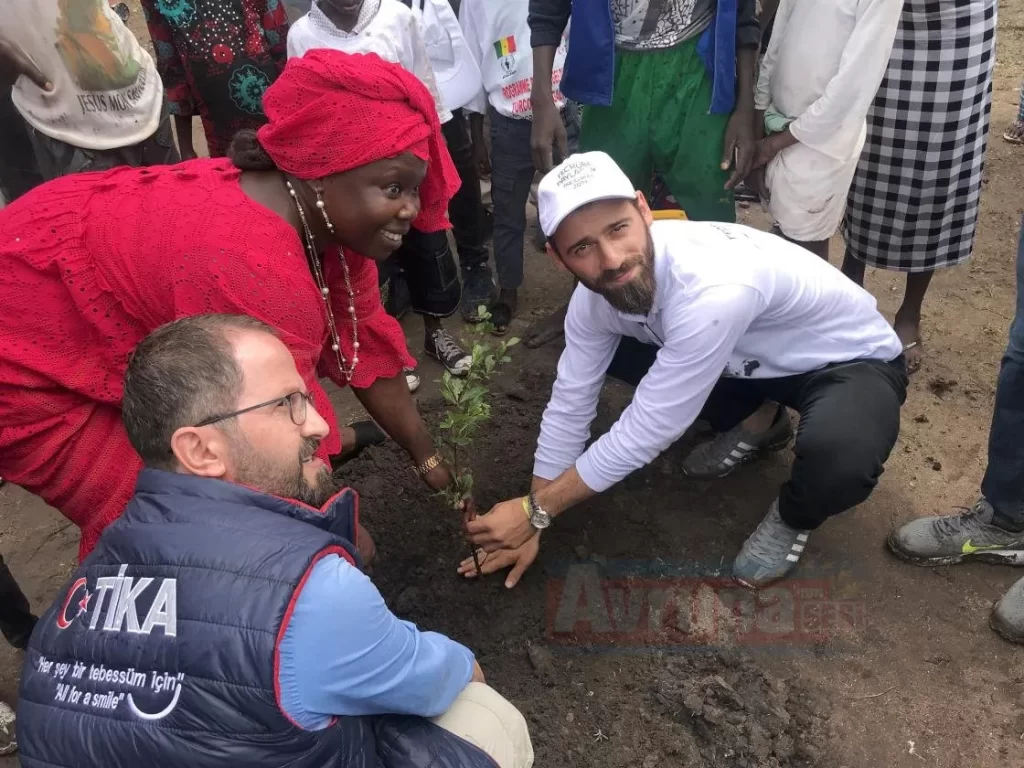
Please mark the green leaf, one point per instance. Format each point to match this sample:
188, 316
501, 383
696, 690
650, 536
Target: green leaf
512, 342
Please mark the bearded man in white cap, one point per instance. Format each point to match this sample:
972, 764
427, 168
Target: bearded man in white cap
705, 319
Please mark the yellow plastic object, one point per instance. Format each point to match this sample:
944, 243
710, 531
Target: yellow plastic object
669, 215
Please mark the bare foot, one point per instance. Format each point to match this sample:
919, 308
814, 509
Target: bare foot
909, 331
546, 330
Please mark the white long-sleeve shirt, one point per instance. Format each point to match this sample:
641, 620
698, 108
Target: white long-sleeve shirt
730, 301
385, 27
823, 67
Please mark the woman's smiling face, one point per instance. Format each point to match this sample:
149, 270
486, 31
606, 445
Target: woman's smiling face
372, 207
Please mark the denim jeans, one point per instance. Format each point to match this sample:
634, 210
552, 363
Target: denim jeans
511, 178
1003, 485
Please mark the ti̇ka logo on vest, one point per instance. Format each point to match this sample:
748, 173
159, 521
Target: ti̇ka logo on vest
121, 603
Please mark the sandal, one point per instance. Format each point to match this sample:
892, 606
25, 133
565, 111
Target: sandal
1015, 133
501, 318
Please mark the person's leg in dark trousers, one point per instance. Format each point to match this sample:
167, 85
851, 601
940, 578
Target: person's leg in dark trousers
992, 531
429, 268
16, 618
1003, 485
849, 422
511, 176
466, 212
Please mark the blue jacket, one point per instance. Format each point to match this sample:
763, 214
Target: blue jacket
589, 73
162, 648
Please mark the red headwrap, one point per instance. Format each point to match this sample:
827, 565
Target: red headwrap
330, 112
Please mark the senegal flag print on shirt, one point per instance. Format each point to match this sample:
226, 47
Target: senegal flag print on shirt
505, 46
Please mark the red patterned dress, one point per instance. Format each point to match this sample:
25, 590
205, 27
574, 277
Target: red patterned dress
91, 263
216, 58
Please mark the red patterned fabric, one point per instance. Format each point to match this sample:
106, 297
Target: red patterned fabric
91, 263
326, 113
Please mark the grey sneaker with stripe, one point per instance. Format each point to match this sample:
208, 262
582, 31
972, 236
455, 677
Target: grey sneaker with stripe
770, 552
738, 446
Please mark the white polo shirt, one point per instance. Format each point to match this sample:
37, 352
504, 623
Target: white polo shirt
730, 301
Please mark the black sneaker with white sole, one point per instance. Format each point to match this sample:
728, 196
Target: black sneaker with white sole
442, 347
732, 449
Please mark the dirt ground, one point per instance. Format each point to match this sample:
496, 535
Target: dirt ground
624, 645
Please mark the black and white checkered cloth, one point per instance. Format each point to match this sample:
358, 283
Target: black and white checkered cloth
913, 204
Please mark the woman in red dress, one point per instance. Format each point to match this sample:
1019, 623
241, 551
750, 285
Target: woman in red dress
288, 231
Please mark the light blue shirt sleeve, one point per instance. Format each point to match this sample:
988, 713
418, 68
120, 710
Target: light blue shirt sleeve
345, 653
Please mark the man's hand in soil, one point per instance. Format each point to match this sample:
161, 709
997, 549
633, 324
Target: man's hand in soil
518, 559
14, 63
506, 526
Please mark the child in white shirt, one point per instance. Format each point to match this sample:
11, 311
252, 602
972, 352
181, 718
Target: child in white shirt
392, 31
499, 38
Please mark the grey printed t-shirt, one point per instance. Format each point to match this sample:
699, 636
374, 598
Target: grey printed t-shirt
644, 25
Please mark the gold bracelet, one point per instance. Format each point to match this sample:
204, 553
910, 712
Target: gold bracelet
526, 507
431, 463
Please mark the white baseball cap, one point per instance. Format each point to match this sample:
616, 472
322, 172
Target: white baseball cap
581, 179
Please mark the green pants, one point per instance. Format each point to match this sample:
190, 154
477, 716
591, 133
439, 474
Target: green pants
659, 120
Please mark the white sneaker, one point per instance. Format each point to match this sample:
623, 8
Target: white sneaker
412, 380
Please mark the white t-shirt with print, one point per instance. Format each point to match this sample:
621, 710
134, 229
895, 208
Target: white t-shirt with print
385, 27
106, 90
499, 38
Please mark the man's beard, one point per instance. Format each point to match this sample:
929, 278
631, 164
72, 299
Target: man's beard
637, 296
287, 481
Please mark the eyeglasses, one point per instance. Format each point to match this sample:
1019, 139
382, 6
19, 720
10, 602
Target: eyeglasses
297, 404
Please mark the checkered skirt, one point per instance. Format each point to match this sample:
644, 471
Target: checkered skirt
913, 204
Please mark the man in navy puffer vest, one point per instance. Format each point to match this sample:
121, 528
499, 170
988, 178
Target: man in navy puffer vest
223, 619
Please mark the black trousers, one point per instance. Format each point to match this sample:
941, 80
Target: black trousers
466, 209
19, 170
849, 422
16, 620
426, 263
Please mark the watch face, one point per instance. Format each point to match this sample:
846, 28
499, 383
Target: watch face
540, 519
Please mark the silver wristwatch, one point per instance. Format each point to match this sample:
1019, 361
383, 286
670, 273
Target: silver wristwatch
539, 519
